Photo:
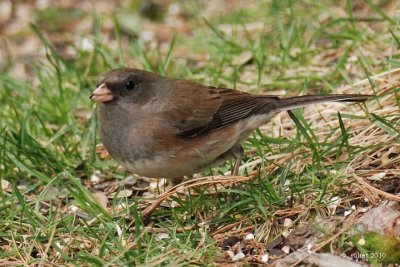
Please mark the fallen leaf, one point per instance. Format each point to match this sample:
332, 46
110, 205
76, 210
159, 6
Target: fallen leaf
121, 194
101, 197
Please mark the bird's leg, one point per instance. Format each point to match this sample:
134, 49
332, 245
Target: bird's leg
237, 152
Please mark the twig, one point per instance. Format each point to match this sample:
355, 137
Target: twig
146, 213
376, 190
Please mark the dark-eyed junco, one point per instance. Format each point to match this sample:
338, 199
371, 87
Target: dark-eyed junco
161, 127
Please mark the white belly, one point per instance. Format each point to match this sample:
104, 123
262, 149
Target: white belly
162, 167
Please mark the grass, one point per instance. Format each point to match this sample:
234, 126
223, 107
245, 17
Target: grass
296, 164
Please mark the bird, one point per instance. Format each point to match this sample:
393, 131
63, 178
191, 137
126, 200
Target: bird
163, 127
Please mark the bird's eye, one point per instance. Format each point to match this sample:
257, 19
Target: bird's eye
130, 85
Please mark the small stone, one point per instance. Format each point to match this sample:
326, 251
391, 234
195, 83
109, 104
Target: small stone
238, 256
161, 236
153, 185
86, 44
286, 249
361, 242
377, 177
265, 258
288, 222
95, 178
73, 209
249, 237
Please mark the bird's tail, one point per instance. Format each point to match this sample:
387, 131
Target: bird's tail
301, 101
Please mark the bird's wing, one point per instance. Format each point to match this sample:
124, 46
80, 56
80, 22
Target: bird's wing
202, 109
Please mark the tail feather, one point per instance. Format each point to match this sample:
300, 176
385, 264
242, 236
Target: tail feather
301, 101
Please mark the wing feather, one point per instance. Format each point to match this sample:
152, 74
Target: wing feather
210, 109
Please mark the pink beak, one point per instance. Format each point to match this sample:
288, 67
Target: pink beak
102, 94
